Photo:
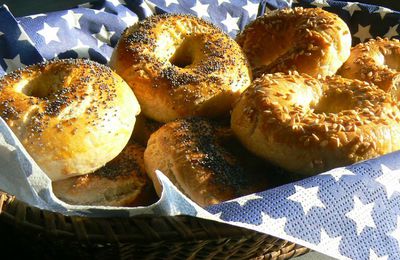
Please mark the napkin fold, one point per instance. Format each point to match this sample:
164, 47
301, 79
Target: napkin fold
347, 213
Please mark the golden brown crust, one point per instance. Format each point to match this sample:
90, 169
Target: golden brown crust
375, 61
180, 65
72, 116
308, 126
121, 182
200, 160
311, 41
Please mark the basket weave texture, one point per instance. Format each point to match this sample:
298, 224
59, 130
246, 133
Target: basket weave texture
48, 235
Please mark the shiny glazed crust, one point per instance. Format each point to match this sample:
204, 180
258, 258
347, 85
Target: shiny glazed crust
375, 61
200, 160
72, 116
179, 66
311, 41
121, 182
308, 126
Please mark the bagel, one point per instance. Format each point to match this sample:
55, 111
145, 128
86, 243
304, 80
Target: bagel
180, 66
308, 126
121, 182
72, 116
203, 161
311, 41
375, 61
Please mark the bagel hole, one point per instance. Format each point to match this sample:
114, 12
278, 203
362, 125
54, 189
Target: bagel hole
183, 55
44, 85
181, 59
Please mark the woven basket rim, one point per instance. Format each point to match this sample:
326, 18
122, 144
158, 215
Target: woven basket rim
135, 229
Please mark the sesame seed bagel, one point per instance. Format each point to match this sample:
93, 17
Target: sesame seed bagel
311, 41
72, 116
181, 65
308, 126
121, 182
375, 61
204, 161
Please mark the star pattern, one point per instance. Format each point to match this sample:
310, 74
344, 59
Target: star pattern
49, 33
307, 197
392, 32
170, 2
231, 23
361, 209
72, 19
82, 49
251, 8
319, 3
104, 35
396, 232
13, 63
23, 37
351, 8
36, 16
338, 221
339, 173
117, 2
129, 19
220, 2
390, 180
363, 32
102, 10
279, 223
4, 145
383, 11
243, 200
333, 242
151, 6
146, 9
374, 256
200, 9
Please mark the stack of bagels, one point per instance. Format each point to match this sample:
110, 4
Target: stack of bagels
216, 115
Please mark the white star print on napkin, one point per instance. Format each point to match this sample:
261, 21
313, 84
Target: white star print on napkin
339, 173
390, 180
129, 19
351, 8
374, 256
361, 209
392, 32
251, 8
231, 23
170, 2
200, 9
363, 32
383, 11
72, 19
396, 232
13, 63
49, 33
104, 35
245, 199
329, 241
307, 197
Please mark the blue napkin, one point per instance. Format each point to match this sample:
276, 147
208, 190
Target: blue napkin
347, 213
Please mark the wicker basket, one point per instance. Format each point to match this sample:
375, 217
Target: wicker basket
48, 235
